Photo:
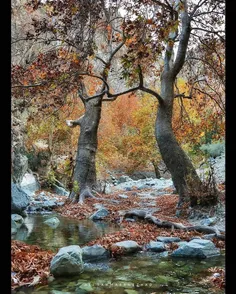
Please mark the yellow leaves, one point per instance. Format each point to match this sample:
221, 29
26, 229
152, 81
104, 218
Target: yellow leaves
202, 134
49, 8
74, 9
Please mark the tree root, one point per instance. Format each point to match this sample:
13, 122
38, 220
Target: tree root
85, 193
167, 224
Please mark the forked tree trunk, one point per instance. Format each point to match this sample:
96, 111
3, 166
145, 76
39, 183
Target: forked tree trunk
182, 171
84, 177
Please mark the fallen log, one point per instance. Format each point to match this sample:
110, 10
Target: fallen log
167, 224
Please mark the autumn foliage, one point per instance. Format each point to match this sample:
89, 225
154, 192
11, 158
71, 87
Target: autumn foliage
29, 264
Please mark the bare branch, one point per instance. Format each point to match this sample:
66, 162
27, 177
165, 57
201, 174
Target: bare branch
183, 43
99, 58
74, 123
200, 3
30, 86
182, 96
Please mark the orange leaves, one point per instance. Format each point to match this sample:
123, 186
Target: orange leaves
29, 264
109, 32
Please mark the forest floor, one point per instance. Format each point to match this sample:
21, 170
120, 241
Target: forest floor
30, 264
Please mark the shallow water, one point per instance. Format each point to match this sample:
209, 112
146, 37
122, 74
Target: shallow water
68, 232
137, 274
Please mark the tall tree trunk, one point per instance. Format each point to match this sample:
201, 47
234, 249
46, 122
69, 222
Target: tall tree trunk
84, 177
182, 171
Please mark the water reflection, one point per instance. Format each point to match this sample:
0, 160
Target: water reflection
68, 232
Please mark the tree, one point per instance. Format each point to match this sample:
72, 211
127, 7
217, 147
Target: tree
149, 30
183, 22
63, 69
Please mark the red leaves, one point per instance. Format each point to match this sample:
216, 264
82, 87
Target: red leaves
29, 264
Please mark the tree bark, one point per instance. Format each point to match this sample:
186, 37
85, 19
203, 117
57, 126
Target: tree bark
182, 171
184, 176
84, 177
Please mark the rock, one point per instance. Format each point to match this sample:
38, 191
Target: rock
208, 236
128, 246
197, 248
52, 222
96, 266
195, 237
19, 200
29, 184
60, 191
98, 205
168, 239
18, 220
216, 275
130, 291
156, 246
123, 196
123, 179
13, 227
138, 175
67, 262
99, 214
49, 204
128, 189
94, 253
182, 243
143, 187
20, 166
61, 203
209, 221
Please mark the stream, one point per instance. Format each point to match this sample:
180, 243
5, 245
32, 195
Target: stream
142, 273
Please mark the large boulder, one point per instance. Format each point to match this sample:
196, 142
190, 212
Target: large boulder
67, 262
94, 253
99, 214
128, 246
29, 184
197, 248
19, 200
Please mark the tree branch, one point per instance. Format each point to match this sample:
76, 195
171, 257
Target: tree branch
182, 96
30, 86
196, 8
74, 123
183, 42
